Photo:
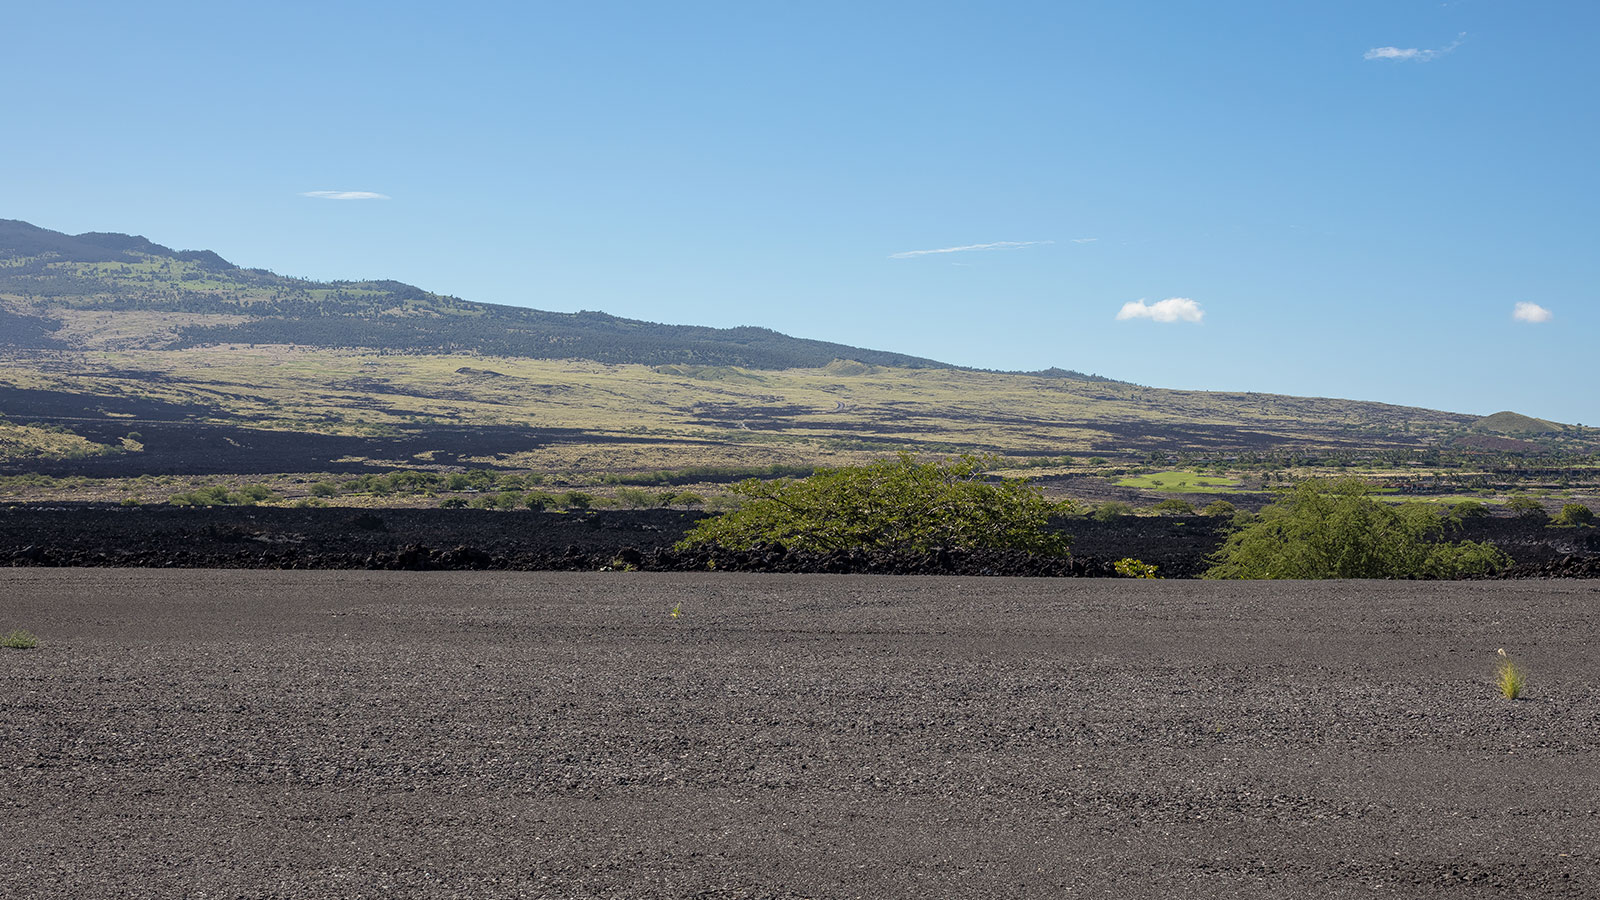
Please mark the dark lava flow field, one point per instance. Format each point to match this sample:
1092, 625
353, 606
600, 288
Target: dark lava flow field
255, 734
457, 539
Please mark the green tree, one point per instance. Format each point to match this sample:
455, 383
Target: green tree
1172, 506
632, 497
890, 504
1111, 510
1333, 529
1574, 515
575, 500
1526, 507
1219, 508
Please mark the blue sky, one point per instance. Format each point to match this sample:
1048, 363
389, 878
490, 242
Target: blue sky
1351, 197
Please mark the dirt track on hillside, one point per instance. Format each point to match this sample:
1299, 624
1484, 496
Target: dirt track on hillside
353, 734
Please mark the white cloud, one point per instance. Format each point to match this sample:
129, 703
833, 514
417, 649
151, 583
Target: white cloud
345, 195
1084, 240
997, 245
1412, 54
1531, 312
1172, 309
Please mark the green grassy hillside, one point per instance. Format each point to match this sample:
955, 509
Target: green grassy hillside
123, 358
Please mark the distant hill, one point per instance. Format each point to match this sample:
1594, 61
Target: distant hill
110, 365
56, 289
1515, 423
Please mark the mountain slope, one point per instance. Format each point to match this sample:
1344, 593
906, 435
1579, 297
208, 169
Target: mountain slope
119, 356
56, 289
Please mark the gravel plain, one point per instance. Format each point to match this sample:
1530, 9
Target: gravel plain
322, 734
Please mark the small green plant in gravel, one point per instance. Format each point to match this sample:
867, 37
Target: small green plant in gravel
1128, 567
1512, 679
19, 640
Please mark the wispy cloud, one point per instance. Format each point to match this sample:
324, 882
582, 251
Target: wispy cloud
1172, 309
345, 195
997, 245
1412, 54
1531, 312
1084, 240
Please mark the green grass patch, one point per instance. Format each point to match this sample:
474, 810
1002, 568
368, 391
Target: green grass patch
19, 640
1512, 679
1181, 483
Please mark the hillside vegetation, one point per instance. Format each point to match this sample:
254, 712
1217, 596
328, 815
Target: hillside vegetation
123, 358
57, 288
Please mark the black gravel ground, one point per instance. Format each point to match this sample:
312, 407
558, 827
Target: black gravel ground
255, 734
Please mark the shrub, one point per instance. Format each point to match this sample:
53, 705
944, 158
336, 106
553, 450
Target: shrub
1323, 529
1111, 511
324, 489
1219, 508
19, 640
1512, 678
539, 500
723, 503
453, 503
633, 498
1526, 507
575, 500
890, 504
254, 493
1173, 507
1469, 509
1128, 567
1574, 515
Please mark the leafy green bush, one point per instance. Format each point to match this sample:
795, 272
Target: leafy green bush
1111, 511
1219, 508
1173, 507
633, 498
254, 493
575, 500
19, 640
1468, 509
1574, 515
1526, 507
891, 504
1333, 529
1128, 567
